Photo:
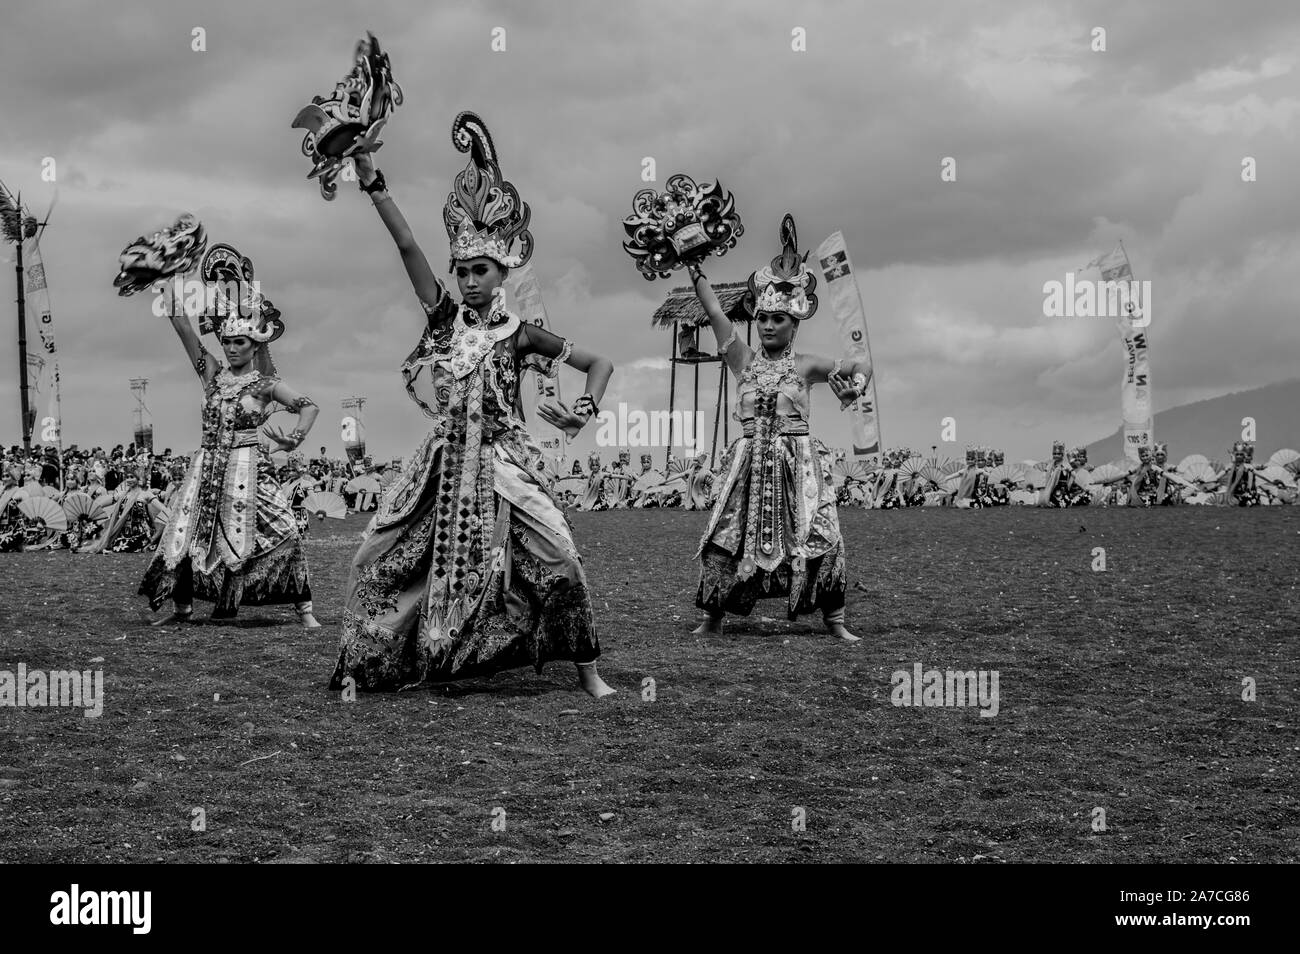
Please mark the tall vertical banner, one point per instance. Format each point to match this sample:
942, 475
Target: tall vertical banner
526, 293
44, 371
851, 318
1135, 386
354, 437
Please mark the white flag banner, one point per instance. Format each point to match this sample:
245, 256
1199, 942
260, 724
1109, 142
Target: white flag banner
1135, 387
846, 304
536, 389
45, 380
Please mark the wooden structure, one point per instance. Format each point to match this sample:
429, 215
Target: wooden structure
683, 313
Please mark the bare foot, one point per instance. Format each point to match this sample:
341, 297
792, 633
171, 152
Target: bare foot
309, 621
175, 616
712, 626
837, 629
591, 682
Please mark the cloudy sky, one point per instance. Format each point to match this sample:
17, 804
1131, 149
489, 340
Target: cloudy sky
1060, 152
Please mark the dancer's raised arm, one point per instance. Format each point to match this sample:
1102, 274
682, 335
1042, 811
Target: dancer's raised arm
203, 363
734, 351
431, 292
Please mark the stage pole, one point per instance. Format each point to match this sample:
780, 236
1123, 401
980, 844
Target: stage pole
22, 348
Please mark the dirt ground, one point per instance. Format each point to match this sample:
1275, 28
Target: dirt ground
1119, 690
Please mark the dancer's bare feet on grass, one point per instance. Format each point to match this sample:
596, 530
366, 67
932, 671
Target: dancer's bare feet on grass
175, 616
711, 626
837, 629
591, 682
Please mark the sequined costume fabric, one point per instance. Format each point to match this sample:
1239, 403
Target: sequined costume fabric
468, 567
774, 530
231, 538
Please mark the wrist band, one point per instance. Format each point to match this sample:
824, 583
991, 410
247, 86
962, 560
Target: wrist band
377, 184
585, 405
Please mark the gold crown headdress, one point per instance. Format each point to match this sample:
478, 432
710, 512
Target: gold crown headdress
249, 314
681, 226
347, 121
484, 214
787, 284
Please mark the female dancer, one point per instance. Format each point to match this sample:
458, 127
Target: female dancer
231, 538
774, 529
469, 567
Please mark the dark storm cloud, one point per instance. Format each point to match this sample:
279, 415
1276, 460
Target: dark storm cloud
1060, 151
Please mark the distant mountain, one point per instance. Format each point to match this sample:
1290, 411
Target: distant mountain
1209, 427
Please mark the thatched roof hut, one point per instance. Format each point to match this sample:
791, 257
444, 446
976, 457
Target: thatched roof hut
683, 305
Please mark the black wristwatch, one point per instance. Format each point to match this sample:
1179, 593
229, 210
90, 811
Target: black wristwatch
376, 185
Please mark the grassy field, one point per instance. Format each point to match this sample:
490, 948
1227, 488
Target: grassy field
1119, 690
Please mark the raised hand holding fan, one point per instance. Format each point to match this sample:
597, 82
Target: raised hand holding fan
348, 121
173, 250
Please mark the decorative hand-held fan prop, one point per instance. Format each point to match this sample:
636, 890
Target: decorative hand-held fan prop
681, 226
366, 483
225, 268
46, 511
324, 504
347, 121
174, 250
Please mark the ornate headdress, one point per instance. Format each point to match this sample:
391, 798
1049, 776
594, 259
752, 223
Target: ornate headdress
1144, 453
250, 315
645, 458
1058, 450
484, 214
787, 284
1161, 450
